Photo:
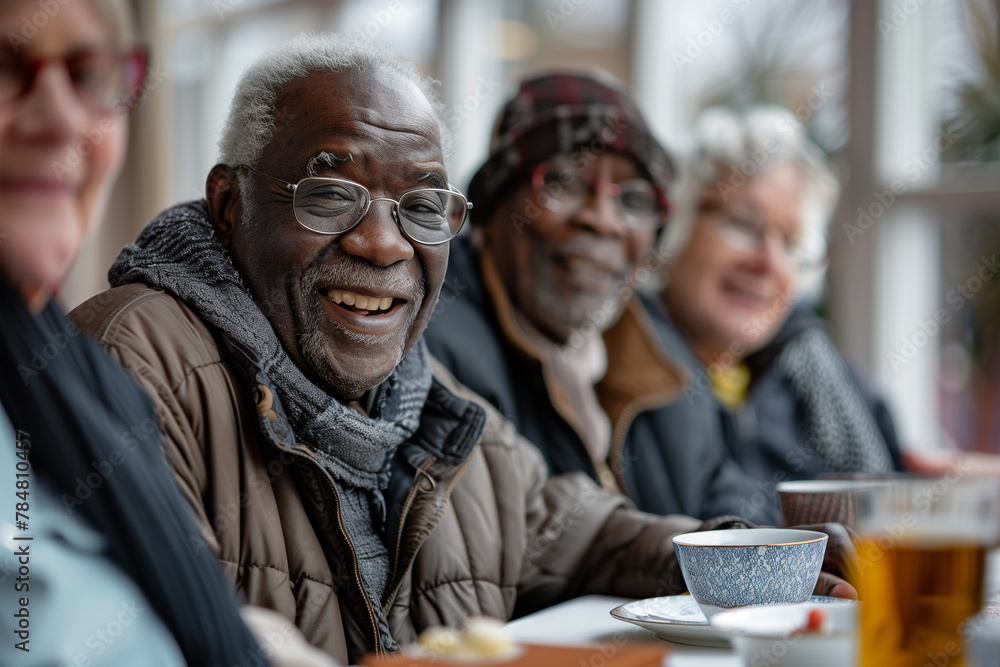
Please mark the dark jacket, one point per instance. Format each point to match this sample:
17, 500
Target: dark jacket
666, 451
766, 436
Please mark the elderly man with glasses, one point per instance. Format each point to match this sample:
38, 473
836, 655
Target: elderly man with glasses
539, 313
340, 476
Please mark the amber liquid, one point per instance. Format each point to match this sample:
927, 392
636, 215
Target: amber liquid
914, 601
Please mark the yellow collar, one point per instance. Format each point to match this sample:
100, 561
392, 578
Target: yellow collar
730, 385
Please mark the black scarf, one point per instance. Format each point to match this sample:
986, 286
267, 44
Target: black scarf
77, 404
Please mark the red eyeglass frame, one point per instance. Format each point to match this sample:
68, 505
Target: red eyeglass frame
134, 62
611, 189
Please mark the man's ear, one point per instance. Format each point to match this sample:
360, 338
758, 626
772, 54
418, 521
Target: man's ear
224, 205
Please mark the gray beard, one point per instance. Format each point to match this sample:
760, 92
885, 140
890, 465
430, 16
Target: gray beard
558, 313
314, 344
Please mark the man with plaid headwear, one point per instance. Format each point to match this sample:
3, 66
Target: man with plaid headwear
540, 315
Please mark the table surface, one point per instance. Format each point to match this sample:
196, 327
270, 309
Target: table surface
587, 621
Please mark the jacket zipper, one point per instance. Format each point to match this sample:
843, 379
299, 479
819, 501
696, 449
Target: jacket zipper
350, 545
406, 509
357, 572
402, 524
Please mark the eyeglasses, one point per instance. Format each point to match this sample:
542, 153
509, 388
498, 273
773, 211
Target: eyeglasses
562, 188
104, 80
748, 235
333, 206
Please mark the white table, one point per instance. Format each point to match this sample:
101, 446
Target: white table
587, 621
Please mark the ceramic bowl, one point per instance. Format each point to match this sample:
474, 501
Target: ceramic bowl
766, 635
725, 569
982, 638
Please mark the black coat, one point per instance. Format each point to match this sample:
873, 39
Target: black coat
672, 459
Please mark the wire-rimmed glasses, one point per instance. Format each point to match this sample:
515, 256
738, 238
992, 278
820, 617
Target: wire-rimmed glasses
430, 216
744, 233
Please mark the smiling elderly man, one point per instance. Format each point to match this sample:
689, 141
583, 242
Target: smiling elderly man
539, 312
340, 478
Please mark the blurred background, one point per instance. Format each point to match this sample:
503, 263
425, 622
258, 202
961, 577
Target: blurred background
904, 95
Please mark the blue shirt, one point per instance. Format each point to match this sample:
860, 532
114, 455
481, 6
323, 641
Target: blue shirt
61, 597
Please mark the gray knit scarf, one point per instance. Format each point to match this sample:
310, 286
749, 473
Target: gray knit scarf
832, 414
180, 253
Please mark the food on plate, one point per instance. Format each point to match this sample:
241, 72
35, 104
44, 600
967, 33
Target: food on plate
482, 638
439, 639
817, 622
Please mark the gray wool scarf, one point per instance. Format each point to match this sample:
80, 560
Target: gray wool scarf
179, 252
833, 416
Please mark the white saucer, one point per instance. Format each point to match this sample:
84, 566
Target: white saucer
677, 618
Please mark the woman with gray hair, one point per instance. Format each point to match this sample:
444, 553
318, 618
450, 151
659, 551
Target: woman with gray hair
748, 237
101, 562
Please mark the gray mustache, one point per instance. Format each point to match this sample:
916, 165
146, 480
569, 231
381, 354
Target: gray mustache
348, 271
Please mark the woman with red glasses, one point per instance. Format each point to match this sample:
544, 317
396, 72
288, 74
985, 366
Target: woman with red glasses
100, 562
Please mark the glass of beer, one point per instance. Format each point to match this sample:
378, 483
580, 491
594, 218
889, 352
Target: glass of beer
921, 565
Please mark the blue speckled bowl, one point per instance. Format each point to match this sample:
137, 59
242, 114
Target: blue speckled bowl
725, 569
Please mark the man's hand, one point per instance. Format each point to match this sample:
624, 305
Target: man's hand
840, 552
281, 641
834, 586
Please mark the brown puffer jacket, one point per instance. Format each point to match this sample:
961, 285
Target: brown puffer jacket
482, 536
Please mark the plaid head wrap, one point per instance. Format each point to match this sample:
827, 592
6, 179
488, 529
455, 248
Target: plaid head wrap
569, 114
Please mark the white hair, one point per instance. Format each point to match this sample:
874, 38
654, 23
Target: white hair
251, 118
731, 148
